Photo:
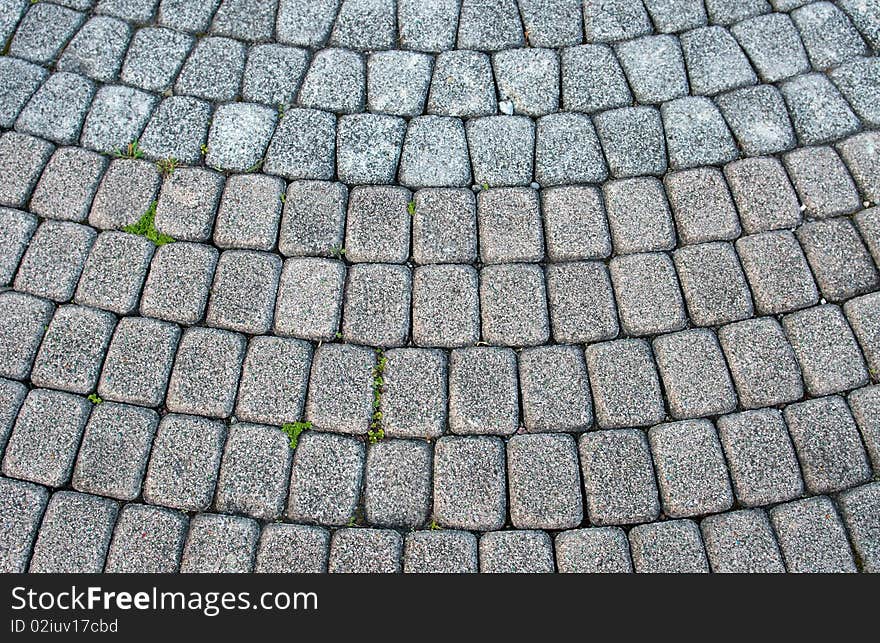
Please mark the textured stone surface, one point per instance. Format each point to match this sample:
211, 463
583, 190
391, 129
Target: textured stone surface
23, 322
592, 551
639, 217
365, 551
220, 545
294, 549
811, 537
377, 304
440, 552
555, 389
397, 483
581, 302
672, 547
309, 299
53, 262
509, 221
647, 293
513, 305
23, 504
713, 284
243, 292
446, 306
516, 552
544, 482
469, 482
340, 389
414, 400
114, 272
483, 391
741, 542
147, 540
633, 142
67, 185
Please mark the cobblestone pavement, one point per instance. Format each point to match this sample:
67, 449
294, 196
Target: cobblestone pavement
532, 286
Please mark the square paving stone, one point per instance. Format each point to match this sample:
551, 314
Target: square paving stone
818, 111
826, 350
23, 158
760, 456
510, 225
303, 145
600, 550
178, 282
368, 148
828, 444
633, 142
52, 264
313, 222
759, 119
138, 361
638, 214
555, 389
17, 229
762, 363
340, 389
43, 32
696, 133
309, 300
490, 25
592, 80
618, 477
615, 20
427, 27
551, 23
502, 149
67, 185
147, 540
445, 306
113, 455
187, 203
444, 226
568, 151
414, 398
435, 153
305, 22
440, 552
254, 472
672, 547
861, 153
545, 485
335, 82
243, 293
691, 471
777, 272
11, 397
20, 80
483, 391
206, 372
860, 508
273, 74
397, 483
626, 389
763, 194
365, 24
513, 305
859, 81
822, 181
462, 85
575, 224
292, 549
655, 68
864, 404
22, 505
57, 109
715, 62
516, 552
114, 272
529, 79
74, 534
239, 135
828, 35
741, 542
647, 293
178, 130
378, 224
581, 302
365, 551
694, 374
45, 437
397, 82
184, 463
862, 15
863, 315
245, 20
772, 43
187, 15
132, 10
154, 58
220, 545
812, 538
125, 194
23, 321
325, 480
841, 263
274, 378
213, 70
73, 348
377, 304
470, 482
117, 116
713, 283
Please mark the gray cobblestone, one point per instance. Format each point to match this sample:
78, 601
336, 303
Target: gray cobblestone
440, 552
368, 148
309, 300
219, 544
626, 389
857, 80
11, 397
303, 145
777, 272
23, 321
581, 302
213, 70
516, 552
131, 10
648, 297
177, 284
67, 185
638, 215
575, 225
57, 109
365, 551
818, 111
243, 293
715, 61
513, 305
178, 129
462, 85
187, 202
544, 482
615, 20
239, 135
863, 315
741, 542
868, 222
529, 78
633, 142
273, 74
314, 218
397, 483
22, 505
154, 58
841, 263
398, 81
592, 79
245, 20
490, 25
483, 391
17, 229
21, 79
655, 68
822, 182
713, 283
187, 15
117, 116
377, 304
773, 45
435, 153
413, 403
52, 264
365, 24
43, 32
274, 379
568, 151
147, 540
862, 16
828, 36
340, 389
670, 16
510, 225
724, 12
672, 547
759, 119
470, 482
861, 153
696, 133
857, 507
446, 307
590, 551
292, 549
335, 82
125, 193
114, 272
555, 389
501, 149
864, 404
444, 226
763, 194
305, 22
23, 160
811, 537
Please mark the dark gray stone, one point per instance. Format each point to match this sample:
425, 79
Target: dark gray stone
638, 213
292, 549
648, 297
187, 203
220, 545
125, 194
759, 119
440, 552
273, 74
811, 537
593, 551
365, 551
178, 130
22, 505
303, 146
581, 302
777, 271
510, 225
633, 142
398, 81
154, 58
773, 45
397, 483
67, 185
444, 226
696, 133
368, 148
243, 292
114, 272
715, 62
555, 389
340, 389
713, 284
239, 135
516, 552
819, 113
502, 150
568, 151
763, 194
313, 222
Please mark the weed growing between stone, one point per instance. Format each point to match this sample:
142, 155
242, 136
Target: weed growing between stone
377, 432
145, 227
293, 430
